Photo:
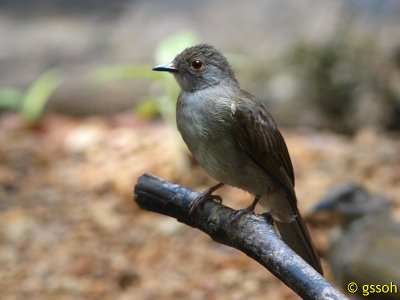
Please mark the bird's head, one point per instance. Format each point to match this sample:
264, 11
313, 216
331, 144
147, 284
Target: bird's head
199, 67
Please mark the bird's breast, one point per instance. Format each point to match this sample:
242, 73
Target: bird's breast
205, 124
203, 116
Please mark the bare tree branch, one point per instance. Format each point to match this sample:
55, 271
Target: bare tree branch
249, 233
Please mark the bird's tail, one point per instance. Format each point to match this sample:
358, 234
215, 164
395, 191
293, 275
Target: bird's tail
296, 236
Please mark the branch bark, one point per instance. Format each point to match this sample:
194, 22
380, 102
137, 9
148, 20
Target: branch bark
252, 234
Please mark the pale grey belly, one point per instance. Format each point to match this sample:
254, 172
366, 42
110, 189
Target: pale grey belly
230, 165
208, 135
223, 160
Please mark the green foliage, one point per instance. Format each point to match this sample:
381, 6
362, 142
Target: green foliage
169, 47
165, 52
37, 95
10, 98
31, 103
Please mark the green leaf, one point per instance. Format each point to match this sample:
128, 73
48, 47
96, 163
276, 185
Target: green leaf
38, 94
168, 48
10, 98
148, 108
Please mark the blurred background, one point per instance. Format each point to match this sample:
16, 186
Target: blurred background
82, 116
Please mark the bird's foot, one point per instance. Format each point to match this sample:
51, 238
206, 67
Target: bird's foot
204, 197
246, 210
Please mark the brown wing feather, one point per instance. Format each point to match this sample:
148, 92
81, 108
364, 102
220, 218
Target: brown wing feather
258, 135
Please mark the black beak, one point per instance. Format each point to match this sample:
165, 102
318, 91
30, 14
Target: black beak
167, 67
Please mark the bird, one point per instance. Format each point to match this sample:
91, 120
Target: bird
235, 139
365, 246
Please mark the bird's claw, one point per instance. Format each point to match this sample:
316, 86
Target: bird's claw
204, 197
246, 210
240, 212
216, 198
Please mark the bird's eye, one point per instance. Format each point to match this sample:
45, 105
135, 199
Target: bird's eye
196, 65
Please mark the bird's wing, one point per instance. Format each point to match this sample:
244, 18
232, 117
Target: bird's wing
257, 134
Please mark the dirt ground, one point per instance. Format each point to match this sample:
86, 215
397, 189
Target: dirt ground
69, 228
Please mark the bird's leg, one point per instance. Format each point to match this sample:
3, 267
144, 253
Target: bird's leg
206, 196
252, 206
248, 209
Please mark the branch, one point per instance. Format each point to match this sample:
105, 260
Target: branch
249, 233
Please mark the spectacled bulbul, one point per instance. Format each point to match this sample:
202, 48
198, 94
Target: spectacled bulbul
234, 138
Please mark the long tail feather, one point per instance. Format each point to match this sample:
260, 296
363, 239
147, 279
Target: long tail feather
296, 236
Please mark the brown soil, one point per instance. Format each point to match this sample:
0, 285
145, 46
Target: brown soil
69, 228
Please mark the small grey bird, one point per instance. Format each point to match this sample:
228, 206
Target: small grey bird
365, 246
234, 138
